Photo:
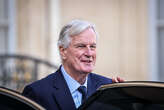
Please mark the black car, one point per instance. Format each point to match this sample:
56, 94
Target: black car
136, 95
118, 96
12, 100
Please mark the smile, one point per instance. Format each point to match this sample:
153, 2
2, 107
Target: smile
87, 61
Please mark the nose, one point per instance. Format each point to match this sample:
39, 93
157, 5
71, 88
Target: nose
88, 52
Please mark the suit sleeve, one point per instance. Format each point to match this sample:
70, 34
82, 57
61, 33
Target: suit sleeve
30, 93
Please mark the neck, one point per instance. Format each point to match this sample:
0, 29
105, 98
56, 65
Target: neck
78, 76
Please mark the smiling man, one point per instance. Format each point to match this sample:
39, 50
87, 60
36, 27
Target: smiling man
80, 56
73, 82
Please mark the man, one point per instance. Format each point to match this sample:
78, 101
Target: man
60, 90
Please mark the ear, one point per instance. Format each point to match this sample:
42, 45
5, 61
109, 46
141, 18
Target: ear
63, 52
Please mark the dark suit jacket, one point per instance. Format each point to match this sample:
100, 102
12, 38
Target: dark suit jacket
53, 93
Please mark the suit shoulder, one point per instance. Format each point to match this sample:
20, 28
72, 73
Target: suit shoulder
100, 79
44, 82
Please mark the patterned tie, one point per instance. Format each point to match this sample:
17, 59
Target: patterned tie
83, 91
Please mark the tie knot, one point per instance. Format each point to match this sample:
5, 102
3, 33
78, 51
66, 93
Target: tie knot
83, 91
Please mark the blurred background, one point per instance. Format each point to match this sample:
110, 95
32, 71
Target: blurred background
131, 42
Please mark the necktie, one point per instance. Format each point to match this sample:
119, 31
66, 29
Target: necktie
83, 91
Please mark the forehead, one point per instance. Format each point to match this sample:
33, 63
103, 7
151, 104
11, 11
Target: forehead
87, 36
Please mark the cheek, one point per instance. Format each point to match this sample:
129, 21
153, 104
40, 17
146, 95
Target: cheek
78, 54
94, 54
75, 58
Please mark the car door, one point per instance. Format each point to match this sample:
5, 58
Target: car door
12, 100
132, 95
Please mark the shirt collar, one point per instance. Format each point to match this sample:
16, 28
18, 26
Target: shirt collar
73, 85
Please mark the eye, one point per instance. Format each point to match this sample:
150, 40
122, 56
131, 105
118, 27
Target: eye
80, 46
93, 46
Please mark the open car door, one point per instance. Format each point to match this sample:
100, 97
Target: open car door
134, 95
12, 100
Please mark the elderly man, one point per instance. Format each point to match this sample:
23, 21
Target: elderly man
73, 82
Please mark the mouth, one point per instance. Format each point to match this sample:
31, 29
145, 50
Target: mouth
87, 61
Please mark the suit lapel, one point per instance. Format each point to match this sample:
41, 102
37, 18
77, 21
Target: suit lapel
91, 85
62, 93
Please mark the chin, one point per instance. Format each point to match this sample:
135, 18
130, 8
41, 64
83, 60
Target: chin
88, 70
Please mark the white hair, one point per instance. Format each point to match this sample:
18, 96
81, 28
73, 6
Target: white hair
73, 28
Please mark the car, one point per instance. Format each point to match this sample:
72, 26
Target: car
129, 95
13, 100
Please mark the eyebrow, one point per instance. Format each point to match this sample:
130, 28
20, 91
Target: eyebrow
84, 44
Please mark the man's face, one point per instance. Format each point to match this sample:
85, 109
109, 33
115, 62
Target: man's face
80, 56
